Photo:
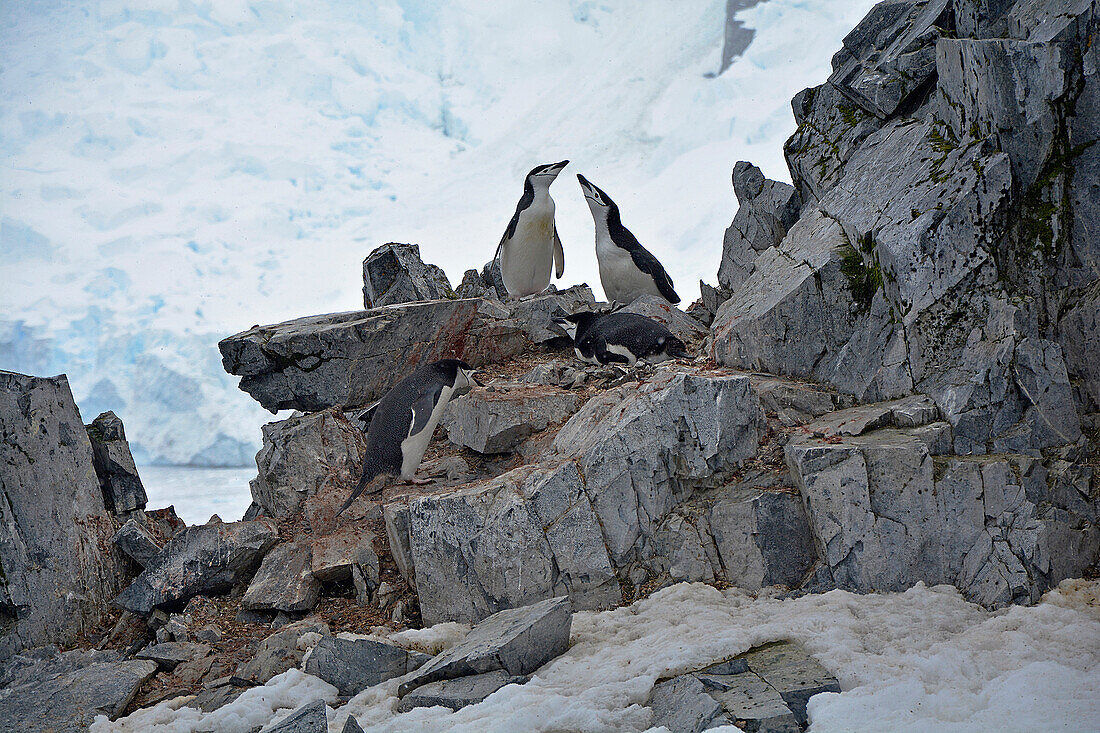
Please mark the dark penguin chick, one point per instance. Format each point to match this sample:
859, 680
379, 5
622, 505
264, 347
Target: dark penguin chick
530, 247
627, 269
406, 417
623, 338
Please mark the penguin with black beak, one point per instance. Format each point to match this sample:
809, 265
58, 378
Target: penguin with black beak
405, 419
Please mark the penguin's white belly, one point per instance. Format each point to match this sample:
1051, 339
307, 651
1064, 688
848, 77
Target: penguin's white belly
622, 280
528, 257
414, 446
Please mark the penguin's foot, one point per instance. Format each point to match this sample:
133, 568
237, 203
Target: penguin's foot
414, 481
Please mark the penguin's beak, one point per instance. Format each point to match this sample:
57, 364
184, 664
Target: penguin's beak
475, 380
558, 166
584, 183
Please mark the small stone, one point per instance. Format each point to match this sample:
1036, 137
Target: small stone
170, 654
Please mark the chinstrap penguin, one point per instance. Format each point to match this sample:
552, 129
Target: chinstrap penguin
405, 418
627, 269
624, 338
530, 247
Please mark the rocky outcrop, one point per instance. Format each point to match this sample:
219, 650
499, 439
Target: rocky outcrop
394, 273
943, 232
118, 477
351, 359
208, 559
764, 689
767, 210
57, 573
517, 641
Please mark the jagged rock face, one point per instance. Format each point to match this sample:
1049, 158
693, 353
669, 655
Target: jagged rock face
767, 210
887, 514
394, 273
947, 246
118, 476
57, 573
206, 559
305, 456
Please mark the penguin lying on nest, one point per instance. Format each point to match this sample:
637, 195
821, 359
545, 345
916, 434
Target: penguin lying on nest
621, 338
405, 419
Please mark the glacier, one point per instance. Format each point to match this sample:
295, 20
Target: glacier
177, 170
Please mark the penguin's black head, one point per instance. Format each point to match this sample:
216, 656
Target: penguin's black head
598, 201
577, 323
547, 172
461, 376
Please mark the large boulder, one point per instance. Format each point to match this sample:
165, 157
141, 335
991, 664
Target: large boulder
205, 559
118, 476
284, 581
63, 693
57, 573
517, 641
304, 456
394, 273
352, 359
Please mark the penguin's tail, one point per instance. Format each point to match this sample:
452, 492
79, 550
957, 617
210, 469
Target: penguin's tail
368, 476
675, 348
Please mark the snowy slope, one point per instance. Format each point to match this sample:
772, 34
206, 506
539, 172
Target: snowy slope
175, 171
922, 660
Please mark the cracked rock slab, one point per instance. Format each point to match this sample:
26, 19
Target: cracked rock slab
458, 693
284, 581
517, 641
354, 665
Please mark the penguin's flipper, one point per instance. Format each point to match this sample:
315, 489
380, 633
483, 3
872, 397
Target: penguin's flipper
559, 255
651, 266
423, 407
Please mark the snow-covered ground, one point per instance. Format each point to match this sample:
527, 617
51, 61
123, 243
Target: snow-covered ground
923, 660
174, 171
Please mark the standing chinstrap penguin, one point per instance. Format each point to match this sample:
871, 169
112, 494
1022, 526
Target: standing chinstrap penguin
405, 418
625, 338
530, 247
627, 269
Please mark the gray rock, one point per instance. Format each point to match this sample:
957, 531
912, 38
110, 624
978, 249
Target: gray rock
472, 286
306, 455
746, 697
212, 698
398, 534
904, 413
891, 54
767, 210
352, 359
642, 448
57, 573
171, 654
351, 725
279, 652
458, 693
284, 581
682, 705
65, 692
762, 537
498, 421
1079, 335
353, 666
518, 641
791, 671
536, 315
490, 275
336, 555
136, 542
206, 559
683, 326
887, 514
525, 536
118, 476
311, 718
793, 402
394, 273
